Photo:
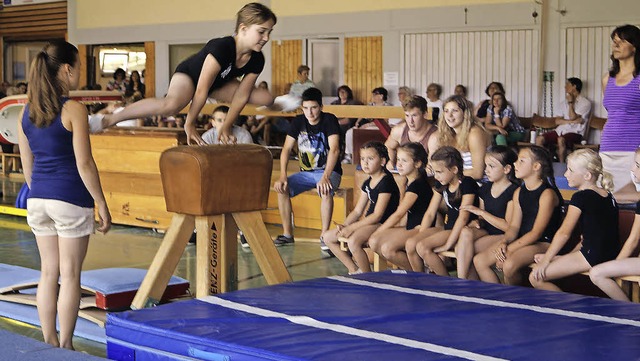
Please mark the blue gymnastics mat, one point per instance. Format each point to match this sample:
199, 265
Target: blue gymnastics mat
380, 316
17, 347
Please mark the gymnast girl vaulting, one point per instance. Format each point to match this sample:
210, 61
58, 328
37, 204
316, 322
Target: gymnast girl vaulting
213, 72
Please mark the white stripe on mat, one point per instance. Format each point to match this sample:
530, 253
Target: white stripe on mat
311, 322
482, 301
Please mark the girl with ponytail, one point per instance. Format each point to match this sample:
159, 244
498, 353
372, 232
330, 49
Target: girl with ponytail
494, 212
64, 186
457, 191
594, 210
624, 265
537, 213
389, 239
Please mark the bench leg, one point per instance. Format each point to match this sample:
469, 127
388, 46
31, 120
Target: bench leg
5, 167
165, 262
379, 262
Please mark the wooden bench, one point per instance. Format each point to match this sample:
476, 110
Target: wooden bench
537, 123
16, 165
595, 123
379, 262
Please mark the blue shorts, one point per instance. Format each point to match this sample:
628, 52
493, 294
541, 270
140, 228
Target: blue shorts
305, 180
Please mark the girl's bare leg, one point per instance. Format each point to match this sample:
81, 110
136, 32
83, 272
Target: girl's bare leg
356, 245
180, 93
519, 259
425, 248
561, 266
465, 250
602, 276
485, 260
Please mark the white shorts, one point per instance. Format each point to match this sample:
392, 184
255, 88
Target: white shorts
51, 217
619, 165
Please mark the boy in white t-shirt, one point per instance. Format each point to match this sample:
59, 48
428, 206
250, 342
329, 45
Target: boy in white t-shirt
219, 115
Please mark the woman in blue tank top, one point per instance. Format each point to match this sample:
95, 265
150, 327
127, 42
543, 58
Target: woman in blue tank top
63, 181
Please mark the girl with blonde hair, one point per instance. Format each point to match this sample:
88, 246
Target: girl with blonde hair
458, 128
594, 210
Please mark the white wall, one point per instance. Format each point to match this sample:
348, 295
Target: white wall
391, 25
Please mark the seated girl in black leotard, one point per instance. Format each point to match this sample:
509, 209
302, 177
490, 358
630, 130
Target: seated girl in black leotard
594, 210
213, 72
625, 263
495, 210
537, 213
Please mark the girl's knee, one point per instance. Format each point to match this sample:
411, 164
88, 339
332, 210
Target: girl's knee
374, 244
410, 245
596, 274
466, 235
261, 97
510, 268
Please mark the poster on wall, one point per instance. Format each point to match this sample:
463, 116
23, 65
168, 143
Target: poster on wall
26, 2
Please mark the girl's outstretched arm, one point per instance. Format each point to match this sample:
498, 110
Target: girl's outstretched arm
240, 99
461, 221
407, 202
548, 201
210, 70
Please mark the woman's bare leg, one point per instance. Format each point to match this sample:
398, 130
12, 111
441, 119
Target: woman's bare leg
72, 253
47, 294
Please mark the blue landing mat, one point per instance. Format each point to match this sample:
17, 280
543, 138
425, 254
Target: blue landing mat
16, 347
381, 316
29, 314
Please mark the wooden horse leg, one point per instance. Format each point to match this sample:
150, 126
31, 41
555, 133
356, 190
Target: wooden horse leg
165, 262
262, 246
216, 255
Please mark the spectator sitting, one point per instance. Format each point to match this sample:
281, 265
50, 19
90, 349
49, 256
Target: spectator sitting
434, 91
135, 85
345, 97
481, 110
119, 81
502, 120
302, 83
576, 110
219, 115
460, 90
22, 87
378, 98
404, 94
4, 86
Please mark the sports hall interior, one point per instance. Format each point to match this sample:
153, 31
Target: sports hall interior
531, 46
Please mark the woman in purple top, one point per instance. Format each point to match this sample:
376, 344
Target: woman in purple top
621, 134
63, 180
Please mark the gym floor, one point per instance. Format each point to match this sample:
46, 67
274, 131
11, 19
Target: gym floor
135, 247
